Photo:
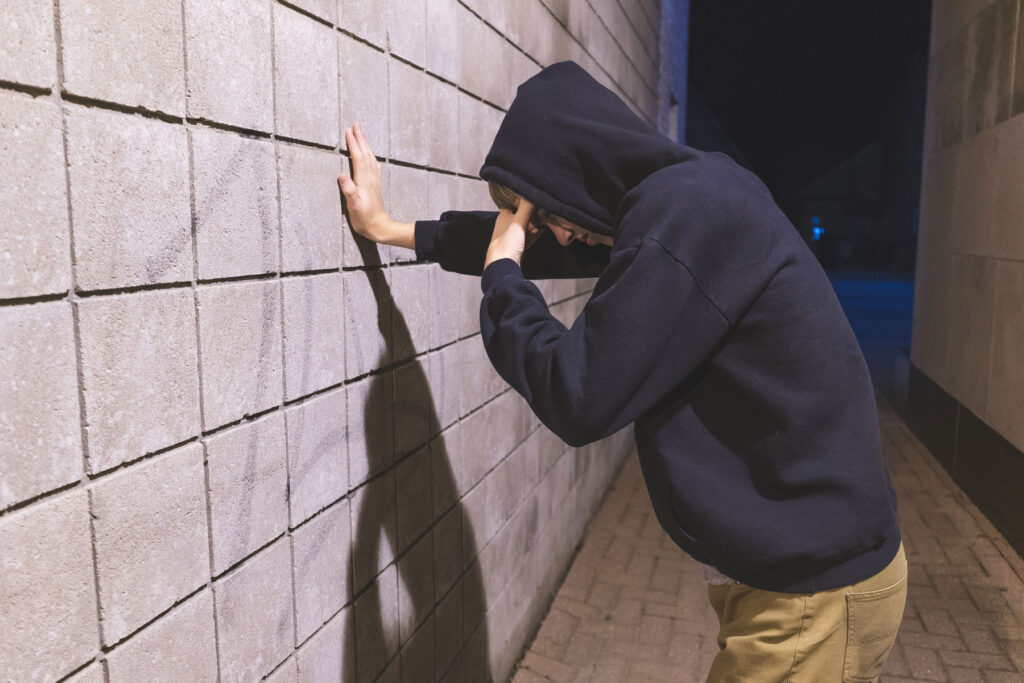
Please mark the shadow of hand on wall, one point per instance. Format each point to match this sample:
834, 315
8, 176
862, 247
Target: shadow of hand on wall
429, 603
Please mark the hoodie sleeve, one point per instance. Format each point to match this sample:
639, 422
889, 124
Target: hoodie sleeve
646, 327
459, 241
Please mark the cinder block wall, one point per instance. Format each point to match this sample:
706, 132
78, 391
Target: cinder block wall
968, 318
237, 443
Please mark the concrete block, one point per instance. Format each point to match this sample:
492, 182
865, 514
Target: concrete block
443, 39
411, 319
322, 658
370, 427
34, 252
151, 538
407, 30
445, 461
415, 420
480, 381
1006, 380
240, 349
376, 620
469, 307
445, 386
408, 190
138, 350
478, 75
1009, 229
306, 75
407, 93
131, 53
254, 615
26, 32
448, 634
415, 586
443, 122
179, 646
321, 555
446, 294
40, 432
248, 488
288, 672
230, 76
367, 19
990, 43
49, 605
373, 529
442, 194
363, 84
474, 604
90, 674
414, 503
417, 656
318, 462
325, 9
368, 306
448, 561
236, 213
130, 199
311, 221
314, 335
975, 202
478, 122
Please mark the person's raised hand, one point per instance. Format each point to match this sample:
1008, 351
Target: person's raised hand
363, 197
510, 233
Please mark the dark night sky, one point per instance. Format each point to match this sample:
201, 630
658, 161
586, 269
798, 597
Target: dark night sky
800, 85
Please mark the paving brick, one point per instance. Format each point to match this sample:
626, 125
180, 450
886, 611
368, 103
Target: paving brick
314, 339
442, 39
478, 75
126, 52
415, 586
373, 528
317, 457
368, 309
414, 502
34, 251
49, 605
321, 555
363, 74
229, 63
138, 350
322, 658
371, 446
151, 538
412, 317
445, 384
376, 621
248, 488
407, 30
311, 221
443, 115
26, 32
306, 75
367, 19
254, 615
409, 201
407, 95
130, 199
236, 212
414, 417
417, 656
40, 433
177, 647
240, 349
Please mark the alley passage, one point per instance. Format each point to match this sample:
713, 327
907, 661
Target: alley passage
634, 608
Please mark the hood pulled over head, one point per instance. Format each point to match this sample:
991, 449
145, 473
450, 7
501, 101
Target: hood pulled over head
571, 146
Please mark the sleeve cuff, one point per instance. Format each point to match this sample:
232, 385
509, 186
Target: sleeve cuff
497, 270
425, 235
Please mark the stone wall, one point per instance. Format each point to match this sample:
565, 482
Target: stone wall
237, 443
967, 392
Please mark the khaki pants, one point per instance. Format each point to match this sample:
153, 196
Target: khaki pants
843, 634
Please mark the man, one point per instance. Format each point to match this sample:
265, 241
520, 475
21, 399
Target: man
713, 329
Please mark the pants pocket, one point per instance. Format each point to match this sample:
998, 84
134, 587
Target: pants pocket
873, 620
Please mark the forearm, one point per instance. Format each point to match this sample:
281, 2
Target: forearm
398, 234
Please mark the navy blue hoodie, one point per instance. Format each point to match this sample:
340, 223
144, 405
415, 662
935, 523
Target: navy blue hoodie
711, 328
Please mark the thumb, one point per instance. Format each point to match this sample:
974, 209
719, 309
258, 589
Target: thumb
347, 186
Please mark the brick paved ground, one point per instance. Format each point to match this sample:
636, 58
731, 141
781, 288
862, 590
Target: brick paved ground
634, 608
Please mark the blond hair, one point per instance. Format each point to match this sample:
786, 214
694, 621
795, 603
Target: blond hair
503, 197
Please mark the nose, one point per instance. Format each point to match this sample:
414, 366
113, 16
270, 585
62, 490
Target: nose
564, 237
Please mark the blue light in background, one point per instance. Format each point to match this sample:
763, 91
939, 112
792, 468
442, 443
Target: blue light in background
817, 230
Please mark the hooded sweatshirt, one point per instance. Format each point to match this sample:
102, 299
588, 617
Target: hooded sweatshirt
711, 328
